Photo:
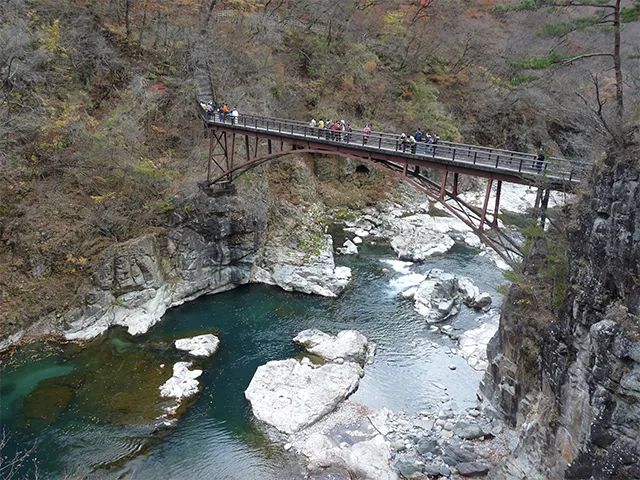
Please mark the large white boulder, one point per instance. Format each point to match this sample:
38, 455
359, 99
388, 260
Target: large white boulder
368, 459
349, 345
421, 244
183, 383
348, 248
437, 297
471, 295
292, 394
293, 270
473, 343
200, 345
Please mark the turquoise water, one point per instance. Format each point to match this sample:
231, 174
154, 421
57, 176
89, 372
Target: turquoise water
92, 412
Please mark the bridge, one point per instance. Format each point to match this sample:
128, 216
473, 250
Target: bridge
264, 139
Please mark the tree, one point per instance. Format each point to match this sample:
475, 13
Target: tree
605, 15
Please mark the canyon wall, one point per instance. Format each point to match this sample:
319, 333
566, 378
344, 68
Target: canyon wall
571, 382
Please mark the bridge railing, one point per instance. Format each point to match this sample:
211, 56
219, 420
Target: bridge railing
517, 163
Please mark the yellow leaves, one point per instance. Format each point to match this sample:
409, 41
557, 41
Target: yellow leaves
244, 6
393, 23
68, 114
77, 263
51, 38
100, 198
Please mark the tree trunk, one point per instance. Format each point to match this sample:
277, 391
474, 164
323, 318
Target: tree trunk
127, 10
617, 63
144, 21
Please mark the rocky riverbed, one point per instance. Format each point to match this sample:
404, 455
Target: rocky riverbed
418, 371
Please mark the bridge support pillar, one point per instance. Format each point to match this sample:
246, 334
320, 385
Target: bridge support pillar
443, 185
536, 205
496, 208
455, 185
217, 139
487, 195
543, 207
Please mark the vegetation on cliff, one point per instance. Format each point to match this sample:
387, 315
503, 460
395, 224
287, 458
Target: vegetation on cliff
98, 130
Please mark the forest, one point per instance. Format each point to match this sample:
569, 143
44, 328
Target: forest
98, 129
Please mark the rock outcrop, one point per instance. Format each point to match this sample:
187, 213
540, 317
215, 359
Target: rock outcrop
200, 345
572, 383
347, 345
306, 272
292, 394
183, 383
209, 246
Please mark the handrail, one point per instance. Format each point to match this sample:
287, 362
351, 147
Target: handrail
511, 162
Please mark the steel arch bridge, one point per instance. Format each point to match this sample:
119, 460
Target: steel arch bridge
264, 139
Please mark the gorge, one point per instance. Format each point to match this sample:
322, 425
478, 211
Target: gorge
321, 319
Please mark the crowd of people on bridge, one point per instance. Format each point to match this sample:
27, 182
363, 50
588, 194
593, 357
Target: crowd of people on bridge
420, 141
222, 111
342, 131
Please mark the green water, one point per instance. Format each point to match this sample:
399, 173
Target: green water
92, 412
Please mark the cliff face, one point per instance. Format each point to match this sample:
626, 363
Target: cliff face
572, 384
209, 247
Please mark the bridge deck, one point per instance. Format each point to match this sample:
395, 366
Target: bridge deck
517, 167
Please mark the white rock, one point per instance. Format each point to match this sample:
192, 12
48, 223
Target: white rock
368, 459
348, 248
291, 394
357, 240
361, 232
467, 288
472, 240
349, 345
471, 295
437, 297
183, 383
200, 345
293, 270
473, 343
410, 292
421, 244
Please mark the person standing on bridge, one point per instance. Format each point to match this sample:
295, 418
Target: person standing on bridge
234, 116
412, 144
337, 128
224, 111
365, 134
540, 160
402, 142
418, 135
349, 130
320, 127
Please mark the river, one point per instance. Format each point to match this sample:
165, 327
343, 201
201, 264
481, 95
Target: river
90, 412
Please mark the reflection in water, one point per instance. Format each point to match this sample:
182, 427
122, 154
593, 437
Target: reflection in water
95, 409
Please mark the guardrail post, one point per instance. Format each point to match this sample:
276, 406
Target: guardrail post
453, 155
380, 143
497, 160
475, 157
305, 132
520, 167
